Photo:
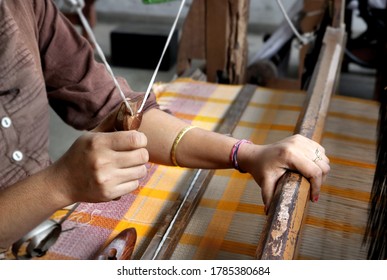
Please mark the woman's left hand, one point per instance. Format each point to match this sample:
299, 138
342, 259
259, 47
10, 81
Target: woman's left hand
267, 163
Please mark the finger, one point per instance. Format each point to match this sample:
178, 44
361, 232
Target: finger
119, 182
318, 154
124, 189
131, 158
323, 163
315, 184
315, 191
122, 176
119, 141
268, 187
312, 171
324, 166
129, 140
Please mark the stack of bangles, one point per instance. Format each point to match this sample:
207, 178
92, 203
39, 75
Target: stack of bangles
233, 154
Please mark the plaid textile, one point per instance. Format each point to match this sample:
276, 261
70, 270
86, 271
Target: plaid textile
228, 222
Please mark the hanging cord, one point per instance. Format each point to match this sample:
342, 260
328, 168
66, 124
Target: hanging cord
78, 6
162, 55
305, 38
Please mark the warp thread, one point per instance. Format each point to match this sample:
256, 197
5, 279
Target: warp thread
376, 231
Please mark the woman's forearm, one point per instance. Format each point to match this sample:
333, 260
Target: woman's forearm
210, 150
197, 149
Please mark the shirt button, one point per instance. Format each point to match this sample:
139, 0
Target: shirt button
17, 155
6, 122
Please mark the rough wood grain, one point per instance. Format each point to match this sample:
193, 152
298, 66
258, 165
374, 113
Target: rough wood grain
282, 230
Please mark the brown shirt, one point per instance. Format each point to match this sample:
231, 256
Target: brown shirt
43, 61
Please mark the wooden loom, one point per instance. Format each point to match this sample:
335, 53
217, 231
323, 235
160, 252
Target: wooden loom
281, 233
280, 238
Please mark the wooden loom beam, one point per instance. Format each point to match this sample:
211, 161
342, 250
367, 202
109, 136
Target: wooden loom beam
283, 228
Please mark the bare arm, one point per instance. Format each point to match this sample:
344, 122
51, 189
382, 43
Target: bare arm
204, 149
198, 148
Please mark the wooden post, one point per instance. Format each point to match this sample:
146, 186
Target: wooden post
216, 31
282, 231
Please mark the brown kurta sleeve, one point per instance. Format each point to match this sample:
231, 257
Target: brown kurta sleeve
79, 89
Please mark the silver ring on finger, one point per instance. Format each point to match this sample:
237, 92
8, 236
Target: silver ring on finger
318, 155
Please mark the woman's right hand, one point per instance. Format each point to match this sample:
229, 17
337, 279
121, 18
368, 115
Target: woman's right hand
100, 167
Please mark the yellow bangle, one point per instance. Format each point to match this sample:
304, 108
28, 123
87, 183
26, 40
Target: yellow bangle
176, 142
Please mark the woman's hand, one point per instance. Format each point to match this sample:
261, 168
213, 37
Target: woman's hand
100, 166
268, 163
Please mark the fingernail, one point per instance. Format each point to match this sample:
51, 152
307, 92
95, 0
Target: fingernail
315, 199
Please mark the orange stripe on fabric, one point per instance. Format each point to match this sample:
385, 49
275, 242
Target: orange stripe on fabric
345, 116
159, 194
239, 248
232, 206
358, 100
91, 219
331, 225
226, 246
348, 162
197, 118
348, 138
275, 106
346, 193
303, 257
266, 126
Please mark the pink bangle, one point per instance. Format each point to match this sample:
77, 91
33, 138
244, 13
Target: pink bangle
234, 154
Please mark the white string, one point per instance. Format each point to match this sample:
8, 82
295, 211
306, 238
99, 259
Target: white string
162, 55
302, 39
78, 5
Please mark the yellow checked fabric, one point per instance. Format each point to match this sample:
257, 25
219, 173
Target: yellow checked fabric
229, 219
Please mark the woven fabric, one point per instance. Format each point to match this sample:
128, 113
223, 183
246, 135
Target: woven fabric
229, 219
